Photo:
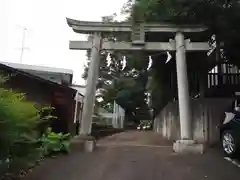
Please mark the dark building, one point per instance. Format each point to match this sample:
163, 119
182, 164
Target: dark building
44, 92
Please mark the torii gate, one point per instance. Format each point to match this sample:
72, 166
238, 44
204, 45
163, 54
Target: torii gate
180, 45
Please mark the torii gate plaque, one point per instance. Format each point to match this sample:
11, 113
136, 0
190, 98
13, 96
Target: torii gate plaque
179, 44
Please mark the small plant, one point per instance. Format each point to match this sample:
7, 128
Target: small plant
45, 119
53, 143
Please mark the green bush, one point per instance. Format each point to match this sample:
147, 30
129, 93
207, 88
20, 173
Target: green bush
24, 136
18, 121
55, 142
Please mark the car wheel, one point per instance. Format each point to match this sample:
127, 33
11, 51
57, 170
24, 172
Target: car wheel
229, 143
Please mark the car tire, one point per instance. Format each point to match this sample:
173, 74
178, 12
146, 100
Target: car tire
229, 143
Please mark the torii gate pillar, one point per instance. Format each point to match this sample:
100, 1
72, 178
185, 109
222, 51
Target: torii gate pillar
89, 99
186, 143
183, 90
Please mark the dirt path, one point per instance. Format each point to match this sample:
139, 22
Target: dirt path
134, 138
131, 162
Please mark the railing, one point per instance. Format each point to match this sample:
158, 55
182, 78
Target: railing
216, 79
194, 84
213, 80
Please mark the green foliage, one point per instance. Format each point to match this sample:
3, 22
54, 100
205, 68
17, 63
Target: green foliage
21, 125
18, 121
124, 84
220, 16
52, 142
127, 86
46, 117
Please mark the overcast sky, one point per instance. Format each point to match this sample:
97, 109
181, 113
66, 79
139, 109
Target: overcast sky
47, 33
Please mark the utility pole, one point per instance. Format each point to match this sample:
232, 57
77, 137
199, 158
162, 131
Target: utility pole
23, 42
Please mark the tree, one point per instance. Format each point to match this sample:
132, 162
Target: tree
124, 84
220, 16
122, 78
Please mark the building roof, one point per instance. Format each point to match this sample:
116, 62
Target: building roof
80, 88
38, 68
9, 69
57, 75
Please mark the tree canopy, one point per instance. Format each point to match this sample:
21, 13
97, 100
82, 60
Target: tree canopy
126, 83
122, 78
221, 17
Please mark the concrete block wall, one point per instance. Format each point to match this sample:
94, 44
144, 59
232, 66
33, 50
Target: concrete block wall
207, 113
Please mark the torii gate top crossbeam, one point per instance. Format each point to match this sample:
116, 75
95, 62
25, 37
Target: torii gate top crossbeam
87, 27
